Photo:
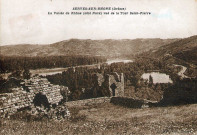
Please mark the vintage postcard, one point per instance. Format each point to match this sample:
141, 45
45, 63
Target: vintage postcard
117, 67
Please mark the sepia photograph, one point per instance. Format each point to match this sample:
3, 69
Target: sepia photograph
98, 67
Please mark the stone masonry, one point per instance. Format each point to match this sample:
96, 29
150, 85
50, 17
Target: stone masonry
33, 92
111, 83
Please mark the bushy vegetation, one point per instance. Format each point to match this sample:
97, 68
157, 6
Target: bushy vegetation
183, 91
13, 80
82, 78
77, 79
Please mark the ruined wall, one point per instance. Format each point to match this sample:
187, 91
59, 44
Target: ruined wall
132, 103
116, 84
25, 96
123, 101
113, 83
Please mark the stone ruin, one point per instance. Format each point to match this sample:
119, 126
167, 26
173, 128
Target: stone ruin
111, 84
41, 97
36, 93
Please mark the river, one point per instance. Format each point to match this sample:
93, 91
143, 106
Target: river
110, 61
52, 71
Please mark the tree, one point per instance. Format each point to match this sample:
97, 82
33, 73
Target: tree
150, 79
26, 74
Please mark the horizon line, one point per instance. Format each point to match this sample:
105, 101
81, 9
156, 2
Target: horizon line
93, 40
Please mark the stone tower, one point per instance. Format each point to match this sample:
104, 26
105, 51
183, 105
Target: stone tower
113, 83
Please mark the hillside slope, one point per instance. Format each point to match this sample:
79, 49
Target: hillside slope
108, 47
107, 118
184, 49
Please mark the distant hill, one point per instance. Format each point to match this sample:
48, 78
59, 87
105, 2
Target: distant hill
108, 47
184, 49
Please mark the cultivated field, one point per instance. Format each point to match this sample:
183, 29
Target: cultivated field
110, 119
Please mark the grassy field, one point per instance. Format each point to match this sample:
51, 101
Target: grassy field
110, 119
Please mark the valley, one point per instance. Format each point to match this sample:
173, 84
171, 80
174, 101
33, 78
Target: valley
41, 85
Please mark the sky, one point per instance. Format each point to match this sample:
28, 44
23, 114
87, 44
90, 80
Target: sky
28, 22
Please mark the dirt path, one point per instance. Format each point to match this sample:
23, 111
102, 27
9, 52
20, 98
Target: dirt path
181, 73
